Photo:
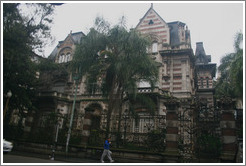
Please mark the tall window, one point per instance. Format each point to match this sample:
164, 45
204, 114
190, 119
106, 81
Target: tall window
65, 55
61, 58
201, 82
154, 47
68, 57
207, 80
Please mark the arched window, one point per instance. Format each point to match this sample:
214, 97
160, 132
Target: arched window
154, 47
65, 55
68, 57
61, 58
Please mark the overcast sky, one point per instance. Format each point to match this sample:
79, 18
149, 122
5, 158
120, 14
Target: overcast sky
214, 24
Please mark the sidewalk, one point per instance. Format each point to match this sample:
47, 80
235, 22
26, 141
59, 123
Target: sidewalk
69, 159
57, 157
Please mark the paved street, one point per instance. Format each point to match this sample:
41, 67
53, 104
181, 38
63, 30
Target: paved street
11, 158
18, 157
25, 157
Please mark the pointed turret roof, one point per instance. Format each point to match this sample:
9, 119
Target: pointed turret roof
202, 60
200, 54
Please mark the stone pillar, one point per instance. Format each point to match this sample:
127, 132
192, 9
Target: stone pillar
228, 129
172, 152
28, 125
86, 128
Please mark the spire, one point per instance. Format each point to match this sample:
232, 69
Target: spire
151, 6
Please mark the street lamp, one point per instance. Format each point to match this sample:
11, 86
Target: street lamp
125, 117
9, 94
58, 125
76, 78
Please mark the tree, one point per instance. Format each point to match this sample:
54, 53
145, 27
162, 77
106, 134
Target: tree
118, 59
23, 34
230, 82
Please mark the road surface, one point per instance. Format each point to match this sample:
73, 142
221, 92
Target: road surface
12, 158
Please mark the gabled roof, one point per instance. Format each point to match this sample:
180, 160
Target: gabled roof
151, 8
75, 37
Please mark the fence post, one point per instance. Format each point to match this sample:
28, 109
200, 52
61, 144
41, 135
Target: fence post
172, 151
228, 129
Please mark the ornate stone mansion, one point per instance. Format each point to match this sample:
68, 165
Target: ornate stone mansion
185, 82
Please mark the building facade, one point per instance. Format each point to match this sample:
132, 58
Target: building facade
183, 77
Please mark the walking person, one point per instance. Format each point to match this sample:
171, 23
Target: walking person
106, 151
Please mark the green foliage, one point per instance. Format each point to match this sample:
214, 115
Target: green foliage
209, 145
41, 135
96, 138
132, 146
21, 35
144, 100
231, 81
155, 140
13, 132
117, 58
76, 139
48, 65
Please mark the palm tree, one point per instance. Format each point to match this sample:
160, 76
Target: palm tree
117, 57
231, 81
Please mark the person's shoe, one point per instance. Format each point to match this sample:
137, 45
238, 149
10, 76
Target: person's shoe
102, 161
112, 161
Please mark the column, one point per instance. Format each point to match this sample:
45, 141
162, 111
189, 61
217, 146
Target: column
171, 151
28, 125
228, 129
86, 128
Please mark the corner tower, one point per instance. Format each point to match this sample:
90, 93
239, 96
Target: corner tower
170, 47
205, 73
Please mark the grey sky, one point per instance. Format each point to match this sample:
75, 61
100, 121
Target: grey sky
214, 24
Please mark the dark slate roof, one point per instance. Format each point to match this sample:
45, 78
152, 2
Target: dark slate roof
53, 53
178, 23
202, 60
201, 57
174, 32
200, 49
76, 37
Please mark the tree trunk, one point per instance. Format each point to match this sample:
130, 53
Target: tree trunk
113, 104
119, 124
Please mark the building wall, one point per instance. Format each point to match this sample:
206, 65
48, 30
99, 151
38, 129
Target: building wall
152, 24
172, 50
